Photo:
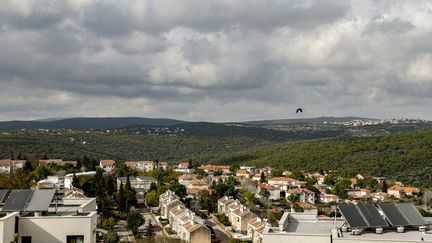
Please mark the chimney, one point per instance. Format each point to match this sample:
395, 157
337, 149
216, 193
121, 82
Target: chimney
259, 219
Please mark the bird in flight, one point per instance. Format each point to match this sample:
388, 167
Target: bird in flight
299, 110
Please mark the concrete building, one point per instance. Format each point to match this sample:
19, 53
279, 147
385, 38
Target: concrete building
141, 165
188, 226
304, 195
72, 220
307, 227
141, 185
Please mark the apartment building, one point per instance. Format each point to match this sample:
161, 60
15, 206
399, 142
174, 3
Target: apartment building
188, 226
34, 216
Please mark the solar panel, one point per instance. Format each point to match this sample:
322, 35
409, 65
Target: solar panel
393, 215
40, 200
17, 200
352, 216
2, 195
372, 216
411, 214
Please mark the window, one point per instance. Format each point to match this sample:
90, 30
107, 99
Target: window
26, 239
75, 239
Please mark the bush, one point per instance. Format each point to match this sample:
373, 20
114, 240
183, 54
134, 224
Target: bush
134, 220
223, 219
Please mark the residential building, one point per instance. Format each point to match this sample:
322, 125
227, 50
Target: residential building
163, 165
184, 168
328, 198
256, 177
307, 227
358, 193
251, 169
107, 164
188, 226
9, 165
273, 191
139, 183
255, 229
214, 168
396, 191
283, 182
69, 220
141, 165
238, 215
242, 174
304, 195
187, 179
379, 196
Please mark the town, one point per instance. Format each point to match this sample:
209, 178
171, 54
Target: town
155, 201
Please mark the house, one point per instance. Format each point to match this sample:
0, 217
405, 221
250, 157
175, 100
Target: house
107, 165
251, 169
223, 203
358, 193
198, 184
69, 220
9, 165
256, 177
184, 168
141, 165
163, 165
379, 196
328, 198
255, 229
304, 195
242, 174
284, 182
396, 191
187, 179
167, 201
400, 191
214, 168
411, 191
273, 191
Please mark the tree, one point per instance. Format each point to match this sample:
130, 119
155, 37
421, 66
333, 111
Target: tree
262, 179
111, 237
297, 174
130, 195
340, 188
384, 186
75, 181
41, 172
277, 172
149, 231
121, 200
190, 163
110, 185
179, 189
28, 166
134, 220
152, 198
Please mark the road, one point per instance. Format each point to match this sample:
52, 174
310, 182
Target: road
219, 232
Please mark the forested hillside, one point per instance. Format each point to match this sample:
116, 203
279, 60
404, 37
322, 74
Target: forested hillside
402, 156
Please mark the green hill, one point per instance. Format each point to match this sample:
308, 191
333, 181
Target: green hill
403, 156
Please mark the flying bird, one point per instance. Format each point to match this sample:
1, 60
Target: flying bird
299, 110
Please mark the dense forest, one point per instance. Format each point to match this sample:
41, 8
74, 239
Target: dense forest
403, 156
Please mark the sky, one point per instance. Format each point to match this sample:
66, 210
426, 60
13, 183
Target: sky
215, 60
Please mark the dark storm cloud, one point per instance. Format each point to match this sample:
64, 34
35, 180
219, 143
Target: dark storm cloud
214, 60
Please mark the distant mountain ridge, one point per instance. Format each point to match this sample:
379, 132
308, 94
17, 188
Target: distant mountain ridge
87, 123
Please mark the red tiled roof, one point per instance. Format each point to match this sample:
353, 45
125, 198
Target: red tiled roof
107, 162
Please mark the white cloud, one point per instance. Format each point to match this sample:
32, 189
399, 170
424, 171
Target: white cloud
215, 60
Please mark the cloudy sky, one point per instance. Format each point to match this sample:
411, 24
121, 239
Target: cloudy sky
215, 60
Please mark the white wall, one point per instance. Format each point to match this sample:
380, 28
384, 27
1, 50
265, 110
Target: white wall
7, 227
284, 238
55, 229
